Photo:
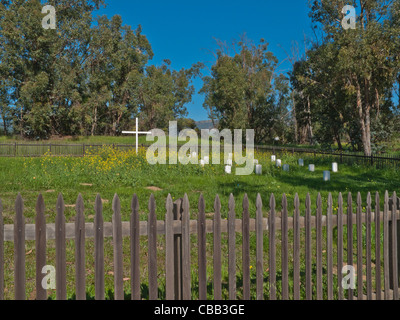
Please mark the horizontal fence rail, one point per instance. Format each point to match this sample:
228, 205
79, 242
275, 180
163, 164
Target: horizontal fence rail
296, 255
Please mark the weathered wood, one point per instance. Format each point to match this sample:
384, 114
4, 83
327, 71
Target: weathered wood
117, 249
350, 292
152, 243
368, 247
296, 248
284, 249
246, 248
386, 246
135, 247
80, 269
40, 245
201, 245
217, 264
340, 246
378, 278
1, 252
393, 250
360, 282
61, 272
231, 249
19, 250
178, 250
319, 247
272, 250
308, 248
169, 250
99, 250
186, 277
329, 248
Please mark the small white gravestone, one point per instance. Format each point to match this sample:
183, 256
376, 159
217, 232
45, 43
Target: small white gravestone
207, 160
279, 163
202, 163
311, 167
286, 167
327, 176
301, 162
228, 169
259, 169
335, 167
229, 162
273, 158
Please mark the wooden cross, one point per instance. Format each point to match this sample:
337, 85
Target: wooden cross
137, 132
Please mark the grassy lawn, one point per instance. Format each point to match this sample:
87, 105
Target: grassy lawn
125, 173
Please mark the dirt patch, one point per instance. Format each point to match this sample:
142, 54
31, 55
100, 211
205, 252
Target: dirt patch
86, 184
70, 205
50, 191
154, 188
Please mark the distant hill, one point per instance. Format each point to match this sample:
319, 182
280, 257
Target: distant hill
206, 124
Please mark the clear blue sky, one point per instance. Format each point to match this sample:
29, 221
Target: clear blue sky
184, 31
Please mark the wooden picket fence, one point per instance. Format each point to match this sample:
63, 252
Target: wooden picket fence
284, 233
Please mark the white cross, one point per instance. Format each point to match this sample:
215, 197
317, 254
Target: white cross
137, 132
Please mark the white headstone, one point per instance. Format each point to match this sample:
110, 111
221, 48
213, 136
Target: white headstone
228, 169
286, 167
273, 158
327, 175
279, 163
301, 162
259, 169
311, 167
335, 167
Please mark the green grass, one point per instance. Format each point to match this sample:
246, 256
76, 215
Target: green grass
114, 171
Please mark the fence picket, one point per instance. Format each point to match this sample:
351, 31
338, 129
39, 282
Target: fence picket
296, 248
1, 252
350, 292
340, 245
319, 247
378, 279
246, 248
80, 250
40, 245
394, 273
308, 249
61, 272
386, 246
117, 249
232, 248
152, 243
259, 249
19, 249
99, 249
272, 250
360, 283
134, 244
329, 247
284, 249
201, 245
217, 249
186, 278
368, 248
169, 250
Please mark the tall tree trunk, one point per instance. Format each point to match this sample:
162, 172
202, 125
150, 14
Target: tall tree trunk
365, 121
